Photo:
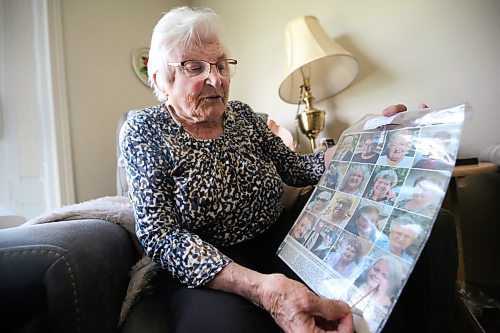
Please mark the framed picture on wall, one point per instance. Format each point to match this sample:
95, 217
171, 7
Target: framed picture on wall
140, 64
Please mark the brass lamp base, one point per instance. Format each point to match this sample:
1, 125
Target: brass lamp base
311, 122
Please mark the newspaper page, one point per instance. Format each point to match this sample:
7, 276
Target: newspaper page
364, 226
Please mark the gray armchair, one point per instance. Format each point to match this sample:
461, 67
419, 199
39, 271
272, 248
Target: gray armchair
64, 277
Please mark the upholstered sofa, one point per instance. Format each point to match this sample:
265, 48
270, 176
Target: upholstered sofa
72, 276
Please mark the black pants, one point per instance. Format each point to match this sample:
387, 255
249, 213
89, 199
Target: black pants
425, 304
206, 310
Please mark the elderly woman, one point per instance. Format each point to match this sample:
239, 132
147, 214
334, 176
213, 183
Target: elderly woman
354, 180
396, 150
381, 191
206, 177
403, 233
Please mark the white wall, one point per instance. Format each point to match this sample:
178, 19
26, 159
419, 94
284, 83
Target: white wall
99, 39
442, 52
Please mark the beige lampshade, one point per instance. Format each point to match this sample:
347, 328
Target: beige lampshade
330, 67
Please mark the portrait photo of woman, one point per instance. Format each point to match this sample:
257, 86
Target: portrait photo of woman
340, 209
346, 256
403, 234
384, 184
356, 178
383, 277
398, 149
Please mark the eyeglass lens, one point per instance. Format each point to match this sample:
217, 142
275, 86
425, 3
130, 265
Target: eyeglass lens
192, 68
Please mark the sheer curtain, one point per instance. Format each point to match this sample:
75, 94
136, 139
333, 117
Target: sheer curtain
30, 157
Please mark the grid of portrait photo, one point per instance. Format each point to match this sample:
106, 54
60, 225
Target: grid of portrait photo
372, 212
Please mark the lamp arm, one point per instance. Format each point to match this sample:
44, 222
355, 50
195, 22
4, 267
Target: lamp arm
308, 97
311, 121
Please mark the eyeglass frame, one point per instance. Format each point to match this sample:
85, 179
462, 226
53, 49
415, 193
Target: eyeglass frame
181, 64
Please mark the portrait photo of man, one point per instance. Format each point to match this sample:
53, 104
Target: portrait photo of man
345, 147
368, 149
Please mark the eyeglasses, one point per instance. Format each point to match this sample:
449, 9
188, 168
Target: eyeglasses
201, 69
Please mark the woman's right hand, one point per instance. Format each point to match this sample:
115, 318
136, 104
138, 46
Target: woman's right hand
297, 309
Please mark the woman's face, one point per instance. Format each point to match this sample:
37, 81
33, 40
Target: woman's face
382, 187
355, 179
302, 227
319, 204
200, 100
349, 253
400, 145
401, 237
379, 275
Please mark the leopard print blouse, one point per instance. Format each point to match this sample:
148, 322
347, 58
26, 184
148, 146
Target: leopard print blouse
191, 196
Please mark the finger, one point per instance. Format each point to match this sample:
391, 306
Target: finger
346, 324
423, 106
331, 310
393, 109
328, 155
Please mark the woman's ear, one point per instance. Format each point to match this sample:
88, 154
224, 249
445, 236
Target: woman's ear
158, 85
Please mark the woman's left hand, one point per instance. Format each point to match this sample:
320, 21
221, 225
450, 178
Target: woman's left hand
393, 109
297, 309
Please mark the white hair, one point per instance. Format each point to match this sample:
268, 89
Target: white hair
178, 30
409, 223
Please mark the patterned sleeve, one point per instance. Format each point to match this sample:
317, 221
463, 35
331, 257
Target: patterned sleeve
191, 260
295, 169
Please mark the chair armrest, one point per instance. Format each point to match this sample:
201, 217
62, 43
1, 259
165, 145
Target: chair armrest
68, 276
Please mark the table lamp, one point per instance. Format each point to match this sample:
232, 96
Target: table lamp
316, 66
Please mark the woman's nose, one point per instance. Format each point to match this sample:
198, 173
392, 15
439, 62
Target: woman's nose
214, 77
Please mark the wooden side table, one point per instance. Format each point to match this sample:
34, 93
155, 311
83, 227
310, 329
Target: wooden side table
459, 180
